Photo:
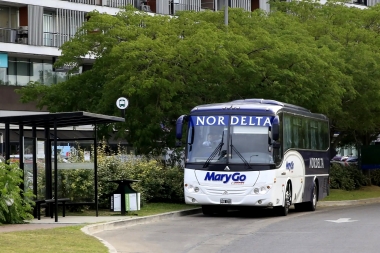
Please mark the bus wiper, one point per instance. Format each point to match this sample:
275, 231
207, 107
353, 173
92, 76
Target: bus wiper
239, 154
216, 151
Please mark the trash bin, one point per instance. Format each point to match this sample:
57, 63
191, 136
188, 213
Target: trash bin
125, 198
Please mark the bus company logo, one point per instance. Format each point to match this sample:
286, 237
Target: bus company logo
290, 166
316, 163
236, 178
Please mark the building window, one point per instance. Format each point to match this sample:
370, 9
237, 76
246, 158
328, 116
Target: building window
12, 73
50, 24
23, 73
37, 71
3, 76
22, 70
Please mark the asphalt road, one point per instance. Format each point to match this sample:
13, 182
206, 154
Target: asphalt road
332, 230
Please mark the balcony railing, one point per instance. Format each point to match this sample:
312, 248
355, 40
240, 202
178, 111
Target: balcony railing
55, 39
9, 35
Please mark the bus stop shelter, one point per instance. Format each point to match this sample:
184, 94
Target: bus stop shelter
51, 122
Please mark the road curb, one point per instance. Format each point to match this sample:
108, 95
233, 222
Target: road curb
97, 228
348, 202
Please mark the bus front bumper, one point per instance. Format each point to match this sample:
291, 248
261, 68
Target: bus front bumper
265, 200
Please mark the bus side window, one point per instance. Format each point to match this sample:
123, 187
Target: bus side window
287, 136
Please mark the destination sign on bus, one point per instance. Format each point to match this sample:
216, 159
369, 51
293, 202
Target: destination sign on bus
239, 120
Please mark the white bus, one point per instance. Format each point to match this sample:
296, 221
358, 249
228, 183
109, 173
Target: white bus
255, 152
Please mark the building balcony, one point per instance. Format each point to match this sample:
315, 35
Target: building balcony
54, 39
9, 35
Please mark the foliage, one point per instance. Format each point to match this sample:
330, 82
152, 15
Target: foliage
15, 204
156, 183
77, 184
323, 57
375, 177
346, 177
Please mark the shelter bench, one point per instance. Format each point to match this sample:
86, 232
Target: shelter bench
50, 202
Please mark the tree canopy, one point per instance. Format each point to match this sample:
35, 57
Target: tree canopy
322, 57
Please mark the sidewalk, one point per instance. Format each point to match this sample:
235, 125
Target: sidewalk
47, 222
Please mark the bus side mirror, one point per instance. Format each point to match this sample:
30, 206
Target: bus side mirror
179, 125
276, 129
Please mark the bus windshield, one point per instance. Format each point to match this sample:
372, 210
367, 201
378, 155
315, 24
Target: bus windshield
249, 143
226, 138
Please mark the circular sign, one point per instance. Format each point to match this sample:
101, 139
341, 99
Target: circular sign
122, 103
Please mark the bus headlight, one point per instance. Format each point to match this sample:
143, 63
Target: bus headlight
191, 188
260, 190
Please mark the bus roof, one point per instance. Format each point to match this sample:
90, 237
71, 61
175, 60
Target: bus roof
259, 105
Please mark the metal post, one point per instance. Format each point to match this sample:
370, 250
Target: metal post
48, 170
1, 144
55, 171
21, 154
7, 143
96, 171
34, 134
226, 12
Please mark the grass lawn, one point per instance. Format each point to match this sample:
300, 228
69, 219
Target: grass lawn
63, 239
365, 192
71, 239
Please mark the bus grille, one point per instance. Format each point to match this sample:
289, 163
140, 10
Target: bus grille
212, 191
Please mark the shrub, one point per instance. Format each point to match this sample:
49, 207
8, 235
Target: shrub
375, 177
15, 204
77, 184
155, 182
346, 177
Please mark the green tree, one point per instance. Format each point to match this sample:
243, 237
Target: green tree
302, 53
353, 34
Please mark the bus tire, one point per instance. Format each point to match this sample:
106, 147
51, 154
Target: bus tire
208, 210
312, 205
284, 210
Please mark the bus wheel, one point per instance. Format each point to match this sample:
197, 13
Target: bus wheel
208, 210
284, 210
312, 205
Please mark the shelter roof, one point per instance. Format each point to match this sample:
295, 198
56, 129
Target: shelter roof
61, 119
